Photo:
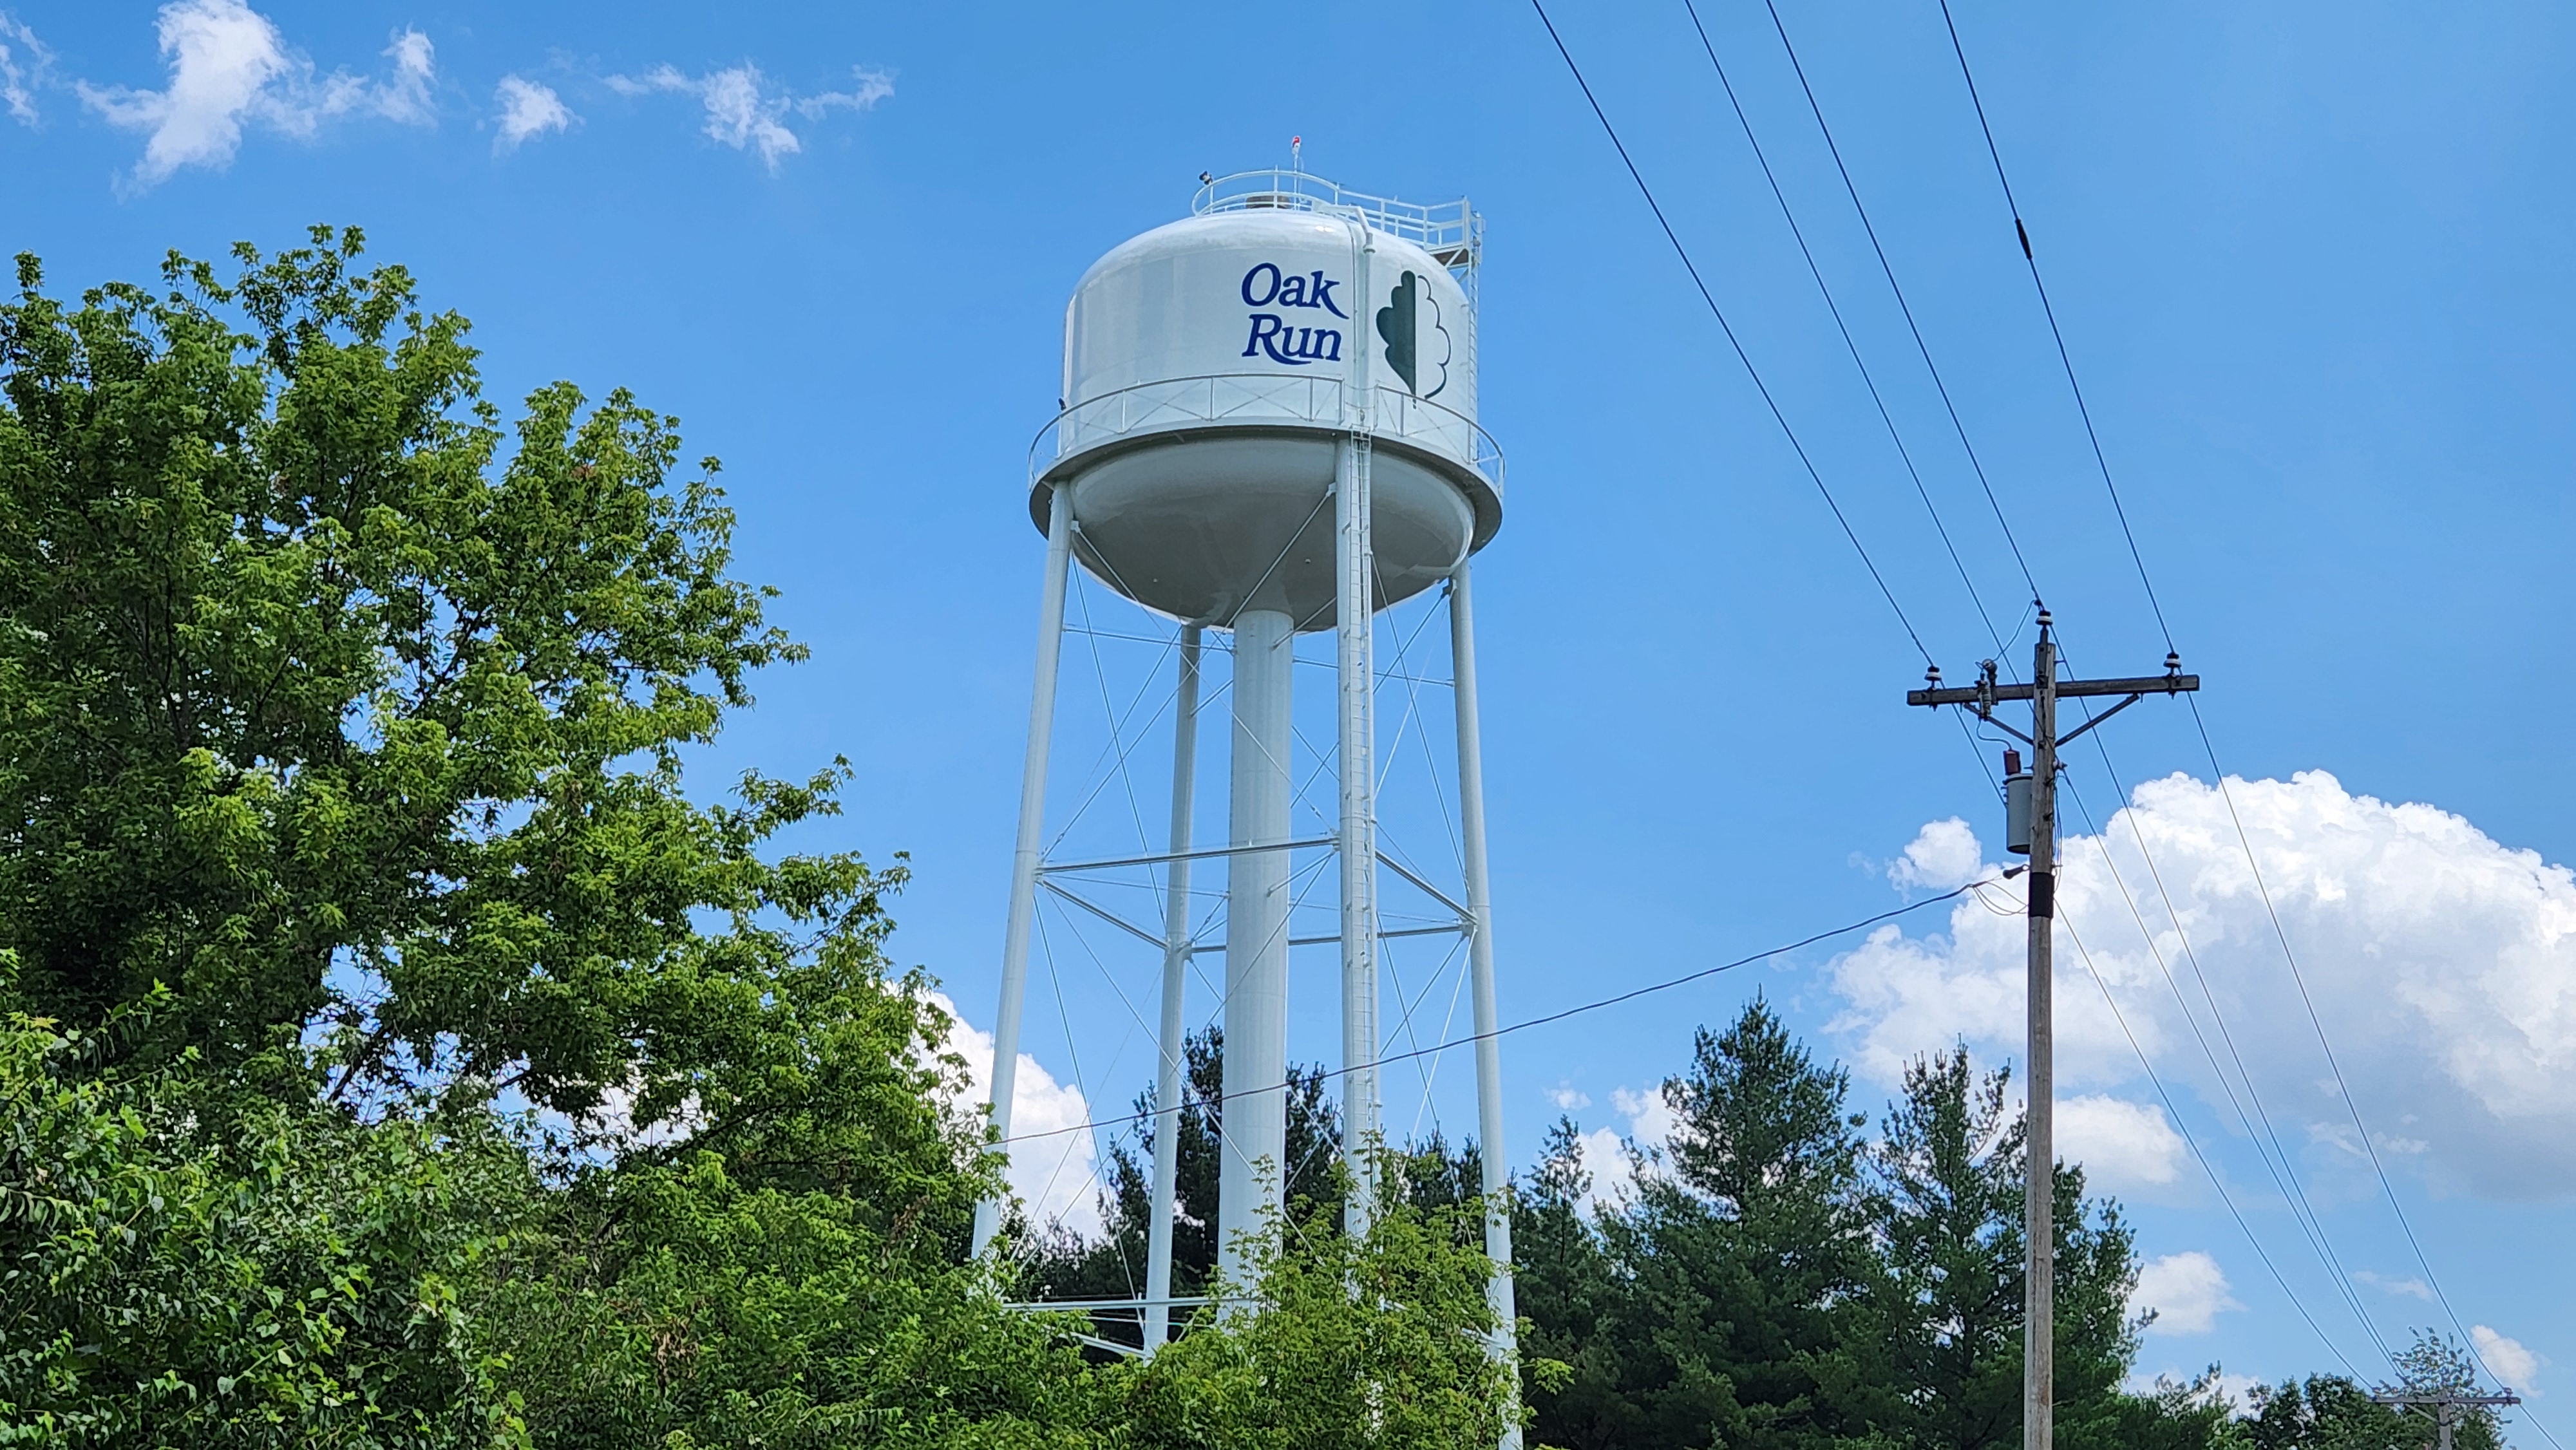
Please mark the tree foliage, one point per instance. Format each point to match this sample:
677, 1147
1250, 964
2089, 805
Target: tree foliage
1776, 1278
394, 1051
325, 699
1062, 1265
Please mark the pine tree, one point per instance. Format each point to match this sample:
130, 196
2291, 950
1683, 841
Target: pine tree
1563, 1281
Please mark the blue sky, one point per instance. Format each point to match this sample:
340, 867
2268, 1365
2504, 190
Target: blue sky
2307, 259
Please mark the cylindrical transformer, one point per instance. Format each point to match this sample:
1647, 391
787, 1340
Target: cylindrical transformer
2016, 804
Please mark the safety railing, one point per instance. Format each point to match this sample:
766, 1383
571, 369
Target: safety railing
1178, 403
1449, 230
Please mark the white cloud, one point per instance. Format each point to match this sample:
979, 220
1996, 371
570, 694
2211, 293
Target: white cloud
2412, 1288
2506, 1358
528, 110
1051, 1169
1606, 1151
1650, 1118
1569, 1099
2123, 1145
1606, 1161
229, 66
406, 97
2187, 1291
25, 64
744, 111
2442, 964
1943, 855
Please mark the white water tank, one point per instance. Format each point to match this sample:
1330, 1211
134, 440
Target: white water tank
1213, 366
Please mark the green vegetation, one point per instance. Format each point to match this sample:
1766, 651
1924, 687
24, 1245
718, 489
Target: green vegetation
394, 1052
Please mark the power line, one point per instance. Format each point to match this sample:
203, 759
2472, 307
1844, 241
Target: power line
1724, 326
1889, 269
2284, 1176
1849, 345
2064, 358
1506, 1030
2184, 1128
2022, 233
2342, 1089
2039, 285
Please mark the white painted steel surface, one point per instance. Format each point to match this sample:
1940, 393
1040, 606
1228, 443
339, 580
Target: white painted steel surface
1210, 368
1355, 681
1172, 1064
1480, 966
1024, 859
1268, 425
1254, 1116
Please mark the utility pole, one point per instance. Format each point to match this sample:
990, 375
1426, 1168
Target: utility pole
2449, 1406
2039, 1204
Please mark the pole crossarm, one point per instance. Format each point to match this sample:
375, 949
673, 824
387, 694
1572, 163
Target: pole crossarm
2443, 1398
2446, 1406
2034, 809
2066, 689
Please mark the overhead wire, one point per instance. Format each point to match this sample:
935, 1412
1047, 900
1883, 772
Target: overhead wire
1790, 216
1728, 329
2183, 1127
2066, 359
2039, 285
2343, 1089
1889, 270
1579, 1009
2284, 1174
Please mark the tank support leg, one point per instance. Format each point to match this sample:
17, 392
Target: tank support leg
1355, 624
1024, 861
1171, 1067
1480, 967
1254, 1117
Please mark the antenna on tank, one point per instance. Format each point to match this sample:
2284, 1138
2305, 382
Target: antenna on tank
1297, 154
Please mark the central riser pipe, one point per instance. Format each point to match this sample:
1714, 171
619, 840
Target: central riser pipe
1255, 1114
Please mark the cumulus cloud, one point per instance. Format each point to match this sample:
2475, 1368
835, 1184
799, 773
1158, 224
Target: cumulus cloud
25, 65
528, 110
1569, 1099
2186, 1291
1942, 856
747, 112
230, 67
2124, 1146
1614, 1156
2507, 1358
2437, 958
1053, 1175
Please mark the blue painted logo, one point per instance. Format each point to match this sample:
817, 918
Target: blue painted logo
1401, 324
1273, 334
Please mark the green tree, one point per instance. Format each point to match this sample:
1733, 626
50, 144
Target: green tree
1950, 1158
294, 1279
1742, 1269
1340, 1342
343, 727
328, 702
2331, 1412
1059, 1263
1952, 1162
1567, 1289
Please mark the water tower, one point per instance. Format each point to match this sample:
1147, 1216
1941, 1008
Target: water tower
1268, 429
